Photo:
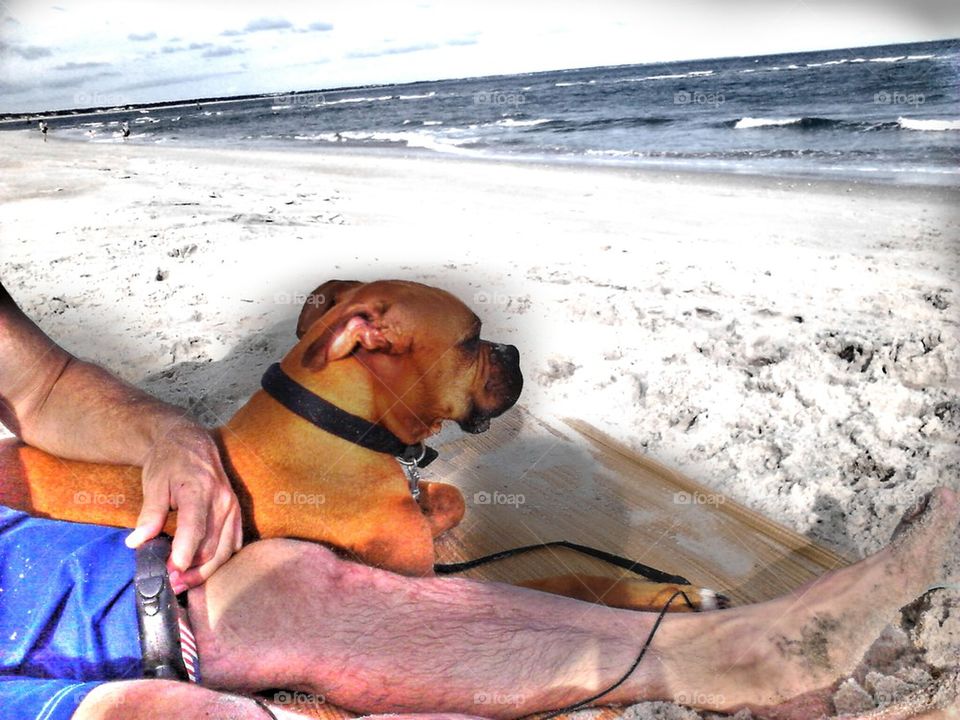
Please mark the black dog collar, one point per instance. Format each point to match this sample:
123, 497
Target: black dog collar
327, 416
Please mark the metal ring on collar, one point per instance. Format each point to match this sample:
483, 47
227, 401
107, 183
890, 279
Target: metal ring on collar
407, 457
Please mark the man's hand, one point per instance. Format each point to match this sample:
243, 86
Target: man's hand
76, 410
183, 472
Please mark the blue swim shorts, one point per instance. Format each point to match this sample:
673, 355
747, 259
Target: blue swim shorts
68, 618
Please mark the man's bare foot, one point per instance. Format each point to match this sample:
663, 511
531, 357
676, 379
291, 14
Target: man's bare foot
780, 658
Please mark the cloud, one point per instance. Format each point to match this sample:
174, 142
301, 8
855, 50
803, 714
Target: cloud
222, 51
260, 25
267, 24
392, 51
27, 52
462, 41
320, 27
74, 82
170, 49
142, 37
80, 65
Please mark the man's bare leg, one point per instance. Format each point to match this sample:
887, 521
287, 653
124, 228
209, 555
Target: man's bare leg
151, 699
289, 614
145, 699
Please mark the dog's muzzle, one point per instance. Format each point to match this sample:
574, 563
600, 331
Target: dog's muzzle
475, 423
503, 387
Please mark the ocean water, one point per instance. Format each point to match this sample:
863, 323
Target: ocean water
889, 114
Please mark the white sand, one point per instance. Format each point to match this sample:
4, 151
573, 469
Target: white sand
794, 345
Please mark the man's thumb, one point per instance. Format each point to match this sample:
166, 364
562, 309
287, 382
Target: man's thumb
149, 525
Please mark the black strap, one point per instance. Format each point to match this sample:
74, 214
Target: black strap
628, 673
327, 416
633, 566
262, 705
157, 612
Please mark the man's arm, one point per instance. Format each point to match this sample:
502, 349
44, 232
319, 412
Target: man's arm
76, 410
69, 407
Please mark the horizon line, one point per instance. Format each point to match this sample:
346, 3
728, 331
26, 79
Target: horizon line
13, 116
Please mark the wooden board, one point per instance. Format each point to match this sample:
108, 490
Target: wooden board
526, 481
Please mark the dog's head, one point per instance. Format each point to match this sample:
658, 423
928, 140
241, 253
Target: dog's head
421, 347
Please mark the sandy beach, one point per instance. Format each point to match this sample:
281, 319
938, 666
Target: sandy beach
793, 344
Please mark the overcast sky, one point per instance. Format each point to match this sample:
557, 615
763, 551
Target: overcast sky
72, 53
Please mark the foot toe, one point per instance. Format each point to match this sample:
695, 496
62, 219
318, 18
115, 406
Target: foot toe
939, 505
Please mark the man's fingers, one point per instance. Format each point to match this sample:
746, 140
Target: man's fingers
197, 575
191, 528
238, 531
153, 514
216, 532
142, 533
221, 518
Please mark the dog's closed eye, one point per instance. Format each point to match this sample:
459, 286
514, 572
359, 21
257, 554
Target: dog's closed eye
471, 344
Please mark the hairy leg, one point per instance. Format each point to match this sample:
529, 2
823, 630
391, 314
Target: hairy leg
151, 699
289, 614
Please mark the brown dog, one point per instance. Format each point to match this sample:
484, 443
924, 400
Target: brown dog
398, 354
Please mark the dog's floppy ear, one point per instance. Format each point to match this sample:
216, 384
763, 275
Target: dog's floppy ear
351, 326
321, 300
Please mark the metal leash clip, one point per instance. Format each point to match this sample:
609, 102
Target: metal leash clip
409, 462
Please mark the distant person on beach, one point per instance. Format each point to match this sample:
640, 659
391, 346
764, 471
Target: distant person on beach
42, 125
289, 614
125, 129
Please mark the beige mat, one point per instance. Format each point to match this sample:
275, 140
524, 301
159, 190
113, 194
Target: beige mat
527, 482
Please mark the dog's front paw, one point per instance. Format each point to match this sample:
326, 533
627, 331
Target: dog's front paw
442, 505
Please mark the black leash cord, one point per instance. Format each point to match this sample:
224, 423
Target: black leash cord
262, 705
646, 571
628, 673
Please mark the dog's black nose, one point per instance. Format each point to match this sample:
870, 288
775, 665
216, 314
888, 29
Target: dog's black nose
509, 353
